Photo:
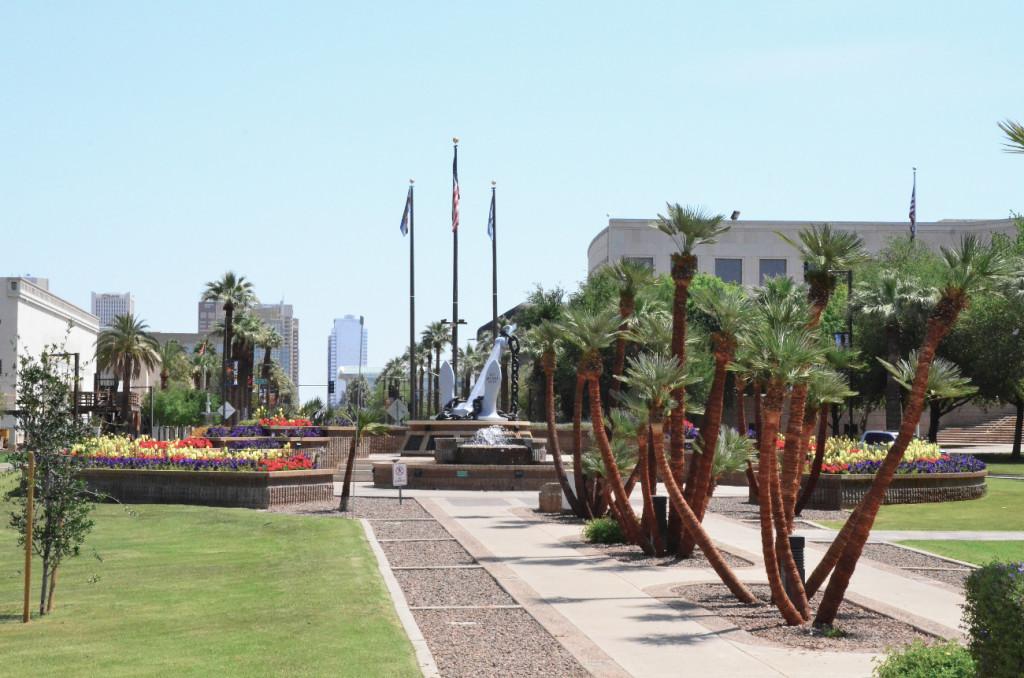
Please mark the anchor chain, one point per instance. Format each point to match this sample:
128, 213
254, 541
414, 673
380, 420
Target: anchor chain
513, 345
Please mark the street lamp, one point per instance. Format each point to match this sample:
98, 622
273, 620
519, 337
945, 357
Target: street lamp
359, 369
847, 340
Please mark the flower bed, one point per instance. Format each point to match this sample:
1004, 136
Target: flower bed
190, 454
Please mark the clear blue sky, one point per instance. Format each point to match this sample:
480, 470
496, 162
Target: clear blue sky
150, 147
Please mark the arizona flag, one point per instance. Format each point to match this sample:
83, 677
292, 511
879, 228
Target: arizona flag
913, 208
404, 226
455, 191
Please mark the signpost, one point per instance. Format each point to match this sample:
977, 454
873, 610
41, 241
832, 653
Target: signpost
399, 477
226, 410
398, 410
259, 381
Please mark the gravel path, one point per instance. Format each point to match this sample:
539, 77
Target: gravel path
921, 564
467, 642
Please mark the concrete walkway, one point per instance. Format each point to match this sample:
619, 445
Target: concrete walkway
623, 611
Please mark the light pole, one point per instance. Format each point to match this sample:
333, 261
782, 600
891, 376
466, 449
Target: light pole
847, 341
359, 378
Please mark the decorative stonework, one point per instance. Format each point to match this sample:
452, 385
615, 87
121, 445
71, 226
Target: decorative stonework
833, 492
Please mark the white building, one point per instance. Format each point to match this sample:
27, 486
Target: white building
106, 306
752, 250
346, 347
32, 320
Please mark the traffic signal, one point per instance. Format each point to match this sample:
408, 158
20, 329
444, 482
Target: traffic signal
330, 386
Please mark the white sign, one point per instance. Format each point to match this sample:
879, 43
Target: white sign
226, 410
400, 474
398, 410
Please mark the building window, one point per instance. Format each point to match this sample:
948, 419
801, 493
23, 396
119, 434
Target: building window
643, 261
772, 268
729, 270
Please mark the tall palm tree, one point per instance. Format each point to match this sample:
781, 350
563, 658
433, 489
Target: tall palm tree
248, 329
969, 268
688, 227
546, 337
823, 251
203, 364
169, 354
781, 353
630, 277
731, 310
893, 300
592, 332
236, 294
125, 347
652, 378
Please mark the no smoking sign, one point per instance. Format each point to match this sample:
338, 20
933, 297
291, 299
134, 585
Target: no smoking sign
399, 474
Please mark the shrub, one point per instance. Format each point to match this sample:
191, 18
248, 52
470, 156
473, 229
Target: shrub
603, 531
943, 659
994, 617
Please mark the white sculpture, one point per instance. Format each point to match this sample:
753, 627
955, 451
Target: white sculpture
483, 398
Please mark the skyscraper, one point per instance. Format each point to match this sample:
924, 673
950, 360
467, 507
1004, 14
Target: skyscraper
346, 347
106, 306
279, 316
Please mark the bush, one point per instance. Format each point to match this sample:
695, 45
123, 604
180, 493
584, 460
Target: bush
943, 659
994, 617
603, 531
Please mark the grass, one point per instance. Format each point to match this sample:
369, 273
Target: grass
1002, 465
977, 552
999, 510
194, 591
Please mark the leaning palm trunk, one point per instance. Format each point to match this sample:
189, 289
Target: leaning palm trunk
684, 267
792, 456
577, 451
648, 520
819, 457
709, 430
556, 454
941, 319
680, 506
627, 519
349, 465
770, 514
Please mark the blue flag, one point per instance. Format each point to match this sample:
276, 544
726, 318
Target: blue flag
490, 219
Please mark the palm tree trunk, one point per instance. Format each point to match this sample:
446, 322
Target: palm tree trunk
741, 409
648, 521
349, 466
630, 526
652, 463
556, 454
769, 509
683, 269
792, 458
758, 414
934, 416
126, 397
893, 411
819, 457
942, 318
577, 451
704, 542
1018, 427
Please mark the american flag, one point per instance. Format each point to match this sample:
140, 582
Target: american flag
913, 208
490, 219
455, 191
404, 226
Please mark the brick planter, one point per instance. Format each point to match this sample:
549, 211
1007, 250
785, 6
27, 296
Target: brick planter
834, 491
251, 489
426, 475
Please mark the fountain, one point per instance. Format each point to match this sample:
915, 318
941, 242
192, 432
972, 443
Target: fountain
491, 445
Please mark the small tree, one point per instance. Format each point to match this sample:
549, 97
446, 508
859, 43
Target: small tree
367, 424
61, 518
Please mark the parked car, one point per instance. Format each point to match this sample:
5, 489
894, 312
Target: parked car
878, 437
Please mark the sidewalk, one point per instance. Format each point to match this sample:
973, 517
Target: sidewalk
618, 609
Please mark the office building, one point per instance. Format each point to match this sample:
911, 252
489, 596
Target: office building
279, 316
346, 348
106, 306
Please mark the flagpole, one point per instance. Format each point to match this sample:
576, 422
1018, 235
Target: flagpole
455, 263
412, 308
494, 265
913, 208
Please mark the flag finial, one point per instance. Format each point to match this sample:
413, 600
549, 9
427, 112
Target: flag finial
455, 140
493, 182
412, 181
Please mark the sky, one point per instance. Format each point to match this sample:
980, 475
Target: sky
151, 147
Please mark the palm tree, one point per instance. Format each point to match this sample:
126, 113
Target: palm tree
248, 330
945, 384
592, 332
235, 293
125, 347
825, 386
688, 227
731, 309
893, 300
630, 277
653, 378
780, 355
823, 251
1014, 136
969, 268
169, 354
202, 365
546, 337
366, 425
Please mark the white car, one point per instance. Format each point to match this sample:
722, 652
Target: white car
878, 437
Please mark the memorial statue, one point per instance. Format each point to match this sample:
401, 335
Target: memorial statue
483, 398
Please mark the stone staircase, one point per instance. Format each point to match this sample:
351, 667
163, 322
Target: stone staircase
995, 432
362, 472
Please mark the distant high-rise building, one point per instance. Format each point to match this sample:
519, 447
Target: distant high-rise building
279, 316
106, 306
346, 347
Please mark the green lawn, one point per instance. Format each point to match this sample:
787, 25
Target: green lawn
193, 591
1002, 465
1001, 509
977, 552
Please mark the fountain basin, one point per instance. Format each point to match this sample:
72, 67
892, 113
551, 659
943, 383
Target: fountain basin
512, 452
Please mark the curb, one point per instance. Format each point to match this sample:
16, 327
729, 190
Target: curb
412, 629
